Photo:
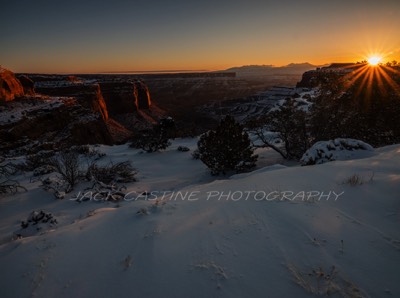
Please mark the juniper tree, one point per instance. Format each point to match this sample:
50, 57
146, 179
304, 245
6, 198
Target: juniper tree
288, 124
228, 148
156, 138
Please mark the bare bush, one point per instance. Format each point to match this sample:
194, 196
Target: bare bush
354, 180
35, 161
67, 165
119, 172
8, 185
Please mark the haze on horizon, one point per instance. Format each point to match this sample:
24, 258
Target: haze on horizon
103, 35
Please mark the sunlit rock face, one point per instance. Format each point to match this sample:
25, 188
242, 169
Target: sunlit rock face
119, 97
142, 95
27, 84
88, 94
10, 86
64, 110
124, 97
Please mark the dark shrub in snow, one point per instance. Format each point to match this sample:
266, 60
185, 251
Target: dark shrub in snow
183, 149
227, 148
119, 172
157, 138
37, 222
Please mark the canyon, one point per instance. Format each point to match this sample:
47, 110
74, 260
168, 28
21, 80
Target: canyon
52, 110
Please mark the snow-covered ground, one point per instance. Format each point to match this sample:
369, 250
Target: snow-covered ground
251, 107
276, 232
18, 109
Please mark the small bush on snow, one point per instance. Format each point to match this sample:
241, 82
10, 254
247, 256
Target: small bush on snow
354, 180
8, 185
156, 138
67, 165
119, 172
37, 222
337, 149
35, 161
183, 149
43, 170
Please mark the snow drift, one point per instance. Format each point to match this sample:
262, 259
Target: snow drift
279, 232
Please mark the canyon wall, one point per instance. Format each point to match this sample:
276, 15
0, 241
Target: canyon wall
10, 86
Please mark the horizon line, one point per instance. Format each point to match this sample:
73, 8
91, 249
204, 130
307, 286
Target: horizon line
160, 71
154, 71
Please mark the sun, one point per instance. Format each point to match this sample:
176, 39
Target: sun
374, 60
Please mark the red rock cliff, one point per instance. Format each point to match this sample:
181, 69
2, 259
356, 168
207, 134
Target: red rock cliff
124, 97
10, 86
142, 95
88, 95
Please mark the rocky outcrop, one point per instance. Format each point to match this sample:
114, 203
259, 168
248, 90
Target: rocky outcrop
54, 126
27, 84
123, 97
312, 78
109, 95
78, 110
308, 80
87, 94
10, 87
142, 96
119, 97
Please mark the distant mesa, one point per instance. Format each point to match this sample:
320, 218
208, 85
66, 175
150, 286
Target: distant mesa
269, 67
253, 71
250, 68
304, 65
310, 78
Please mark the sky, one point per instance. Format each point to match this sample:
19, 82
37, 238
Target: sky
120, 35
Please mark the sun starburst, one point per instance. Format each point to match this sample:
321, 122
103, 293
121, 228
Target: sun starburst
374, 60
372, 74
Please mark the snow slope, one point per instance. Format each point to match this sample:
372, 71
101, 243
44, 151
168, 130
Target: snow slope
269, 233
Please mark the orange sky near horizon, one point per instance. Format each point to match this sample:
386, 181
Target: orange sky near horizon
104, 36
